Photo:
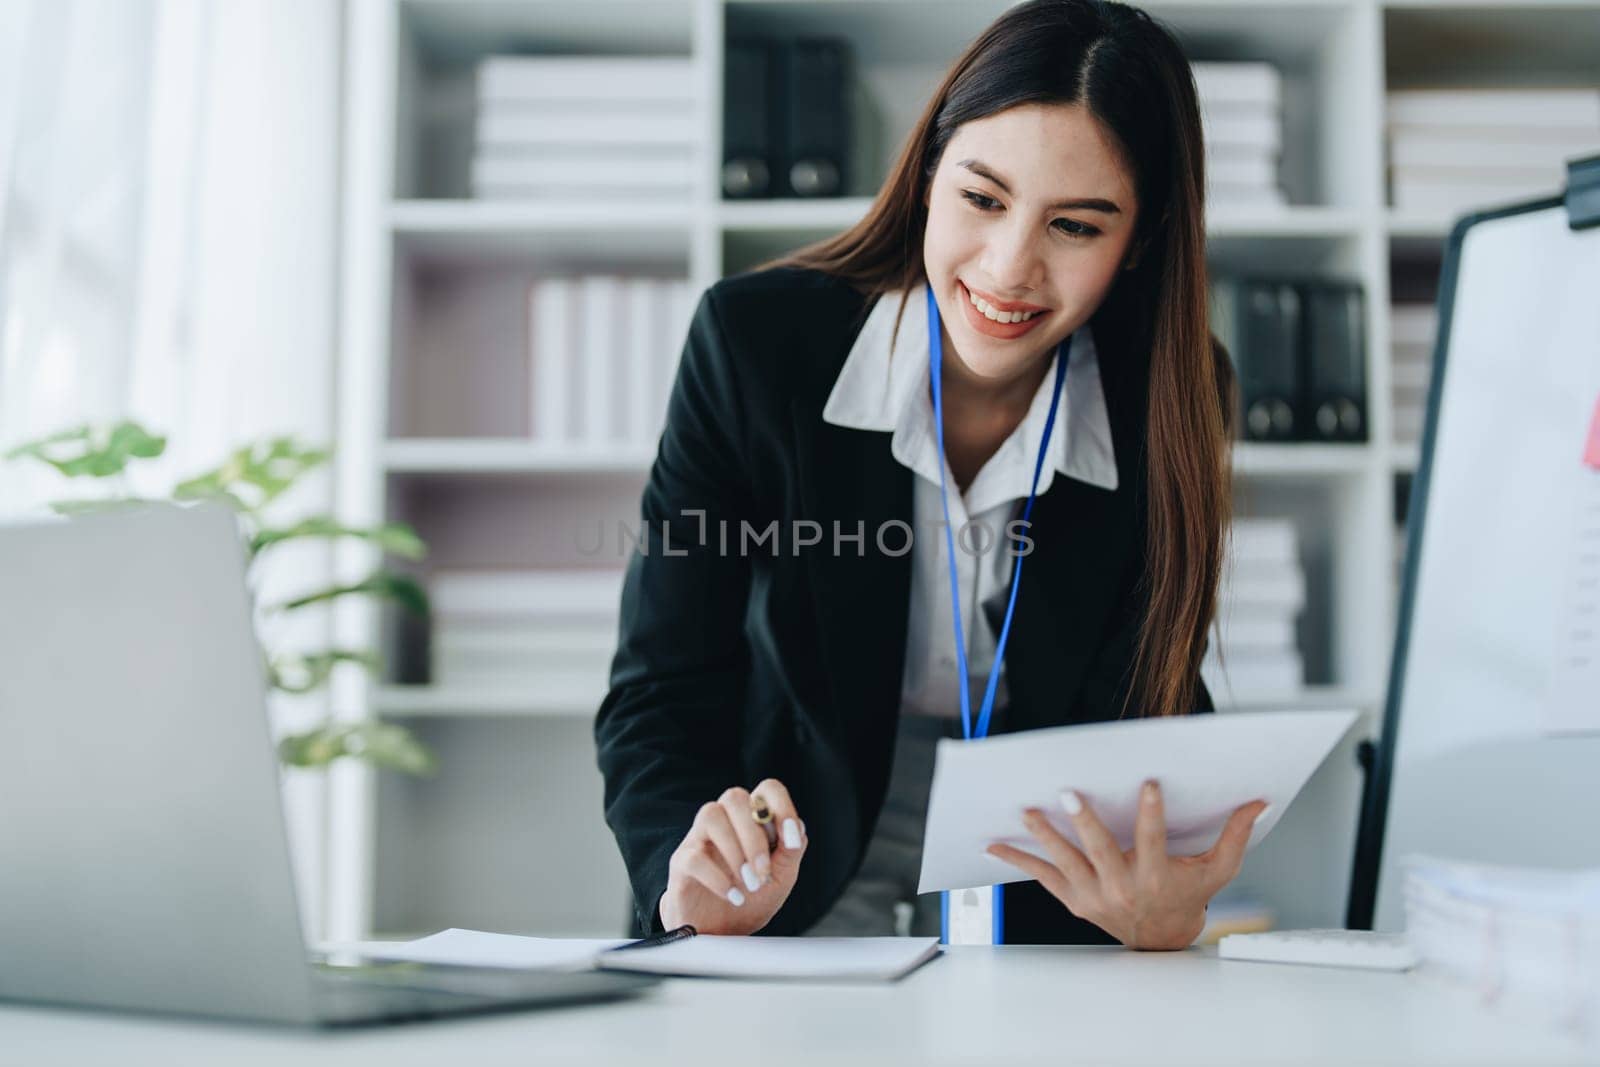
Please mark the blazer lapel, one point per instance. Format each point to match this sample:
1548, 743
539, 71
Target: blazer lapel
860, 593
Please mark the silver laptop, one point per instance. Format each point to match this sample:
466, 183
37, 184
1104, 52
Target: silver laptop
143, 858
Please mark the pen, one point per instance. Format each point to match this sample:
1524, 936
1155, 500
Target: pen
682, 933
763, 815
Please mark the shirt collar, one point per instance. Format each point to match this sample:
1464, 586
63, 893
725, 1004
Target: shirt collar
884, 386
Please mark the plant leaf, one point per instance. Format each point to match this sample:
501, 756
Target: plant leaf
128, 438
389, 745
383, 744
393, 537
266, 468
403, 589
102, 452
301, 673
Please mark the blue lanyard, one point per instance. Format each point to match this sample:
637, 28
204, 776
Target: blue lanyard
935, 366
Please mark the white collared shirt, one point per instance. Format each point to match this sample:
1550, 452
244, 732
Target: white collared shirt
877, 392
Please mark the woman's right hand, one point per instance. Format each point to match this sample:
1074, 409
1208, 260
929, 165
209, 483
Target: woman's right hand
722, 879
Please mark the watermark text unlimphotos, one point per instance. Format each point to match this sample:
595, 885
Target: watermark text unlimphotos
895, 537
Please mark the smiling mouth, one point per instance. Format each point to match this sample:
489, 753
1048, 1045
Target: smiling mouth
989, 308
994, 327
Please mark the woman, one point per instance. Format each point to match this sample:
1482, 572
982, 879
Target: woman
788, 620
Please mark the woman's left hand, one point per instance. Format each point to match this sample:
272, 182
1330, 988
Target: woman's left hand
1143, 897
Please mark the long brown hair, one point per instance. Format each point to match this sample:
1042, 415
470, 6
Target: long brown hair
1128, 71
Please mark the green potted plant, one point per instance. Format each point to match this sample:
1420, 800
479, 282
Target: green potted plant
248, 480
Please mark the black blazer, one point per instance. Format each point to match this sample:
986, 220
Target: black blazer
736, 667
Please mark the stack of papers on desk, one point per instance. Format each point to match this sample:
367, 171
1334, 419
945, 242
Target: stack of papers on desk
703, 956
1527, 938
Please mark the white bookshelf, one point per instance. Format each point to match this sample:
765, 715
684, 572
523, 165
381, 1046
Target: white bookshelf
448, 450
1254, 459
407, 701
424, 455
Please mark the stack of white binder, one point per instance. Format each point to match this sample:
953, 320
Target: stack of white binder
1257, 657
1411, 334
1241, 110
545, 635
604, 350
1452, 151
553, 127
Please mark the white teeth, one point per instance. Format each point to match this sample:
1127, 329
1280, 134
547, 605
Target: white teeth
999, 316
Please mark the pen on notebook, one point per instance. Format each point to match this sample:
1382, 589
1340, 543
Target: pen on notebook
667, 937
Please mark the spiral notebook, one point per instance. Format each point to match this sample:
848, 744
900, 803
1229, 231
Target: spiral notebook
843, 959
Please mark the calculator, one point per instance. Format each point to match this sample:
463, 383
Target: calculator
1326, 948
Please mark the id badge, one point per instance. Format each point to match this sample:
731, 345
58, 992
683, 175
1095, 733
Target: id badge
971, 916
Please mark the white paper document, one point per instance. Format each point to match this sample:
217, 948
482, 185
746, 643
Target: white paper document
1207, 765
811, 958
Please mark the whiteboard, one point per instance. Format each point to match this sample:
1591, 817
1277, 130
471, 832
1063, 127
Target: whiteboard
1490, 749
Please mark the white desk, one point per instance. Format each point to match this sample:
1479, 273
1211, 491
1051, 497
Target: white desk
1007, 1005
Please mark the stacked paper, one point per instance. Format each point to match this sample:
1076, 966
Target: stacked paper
533, 632
1527, 939
1256, 656
1452, 151
1241, 110
585, 126
604, 350
1411, 334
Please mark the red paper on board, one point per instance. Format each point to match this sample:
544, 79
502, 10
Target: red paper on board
1591, 451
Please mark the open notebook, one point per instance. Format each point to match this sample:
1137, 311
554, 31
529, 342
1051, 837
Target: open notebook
859, 959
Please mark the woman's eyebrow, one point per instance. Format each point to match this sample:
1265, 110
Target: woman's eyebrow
1082, 204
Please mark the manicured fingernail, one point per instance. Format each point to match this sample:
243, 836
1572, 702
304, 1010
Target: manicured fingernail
763, 869
1071, 802
736, 898
1262, 814
750, 881
1151, 793
791, 834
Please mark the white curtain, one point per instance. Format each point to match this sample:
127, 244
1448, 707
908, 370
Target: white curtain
168, 251
74, 105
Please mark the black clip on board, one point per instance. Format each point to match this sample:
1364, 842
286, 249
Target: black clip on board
1583, 193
